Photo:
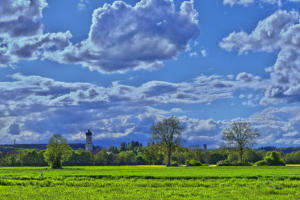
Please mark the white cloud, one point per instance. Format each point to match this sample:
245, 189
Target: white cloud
238, 2
34, 105
33, 108
203, 53
134, 37
250, 2
82, 4
21, 32
278, 32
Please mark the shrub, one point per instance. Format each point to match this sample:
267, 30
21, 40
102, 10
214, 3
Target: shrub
272, 159
233, 163
190, 163
224, 163
174, 164
261, 163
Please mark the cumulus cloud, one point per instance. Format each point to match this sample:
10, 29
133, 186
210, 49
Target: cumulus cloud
238, 2
249, 2
21, 32
124, 37
121, 37
32, 108
276, 33
21, 18
82, 4
39, 106
14, 129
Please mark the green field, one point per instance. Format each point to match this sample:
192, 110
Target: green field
146, 182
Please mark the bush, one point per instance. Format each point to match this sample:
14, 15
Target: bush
261, 163
233, 163
174, 164
190, 163
272, 159
224, 163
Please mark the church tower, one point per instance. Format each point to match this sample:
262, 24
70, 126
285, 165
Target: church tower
88, 144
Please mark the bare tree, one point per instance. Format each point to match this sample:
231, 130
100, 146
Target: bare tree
240, 135
167, 133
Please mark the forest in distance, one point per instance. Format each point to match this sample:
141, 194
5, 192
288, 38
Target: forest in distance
136, 154
164, 148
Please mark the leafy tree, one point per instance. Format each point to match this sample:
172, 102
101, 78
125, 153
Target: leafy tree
123, 146
126, 158
215, 157
140, 159
30, 158
254, 156
272, 159
151, 154
101, 157
240, 135
167, 133
293, 158
113, 149
80, 157
57, 151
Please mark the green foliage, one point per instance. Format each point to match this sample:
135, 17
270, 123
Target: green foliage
240, 135
293, 158
57, 151
126, 158
153, 155
233, 163
80, 157
131, 182
140, 159
167, 133
190, 163
224, 163
254, 156
102, 157
33, 158
174, 164
215, 157
272, 159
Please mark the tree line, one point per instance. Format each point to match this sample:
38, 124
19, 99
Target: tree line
141, 155
164, 148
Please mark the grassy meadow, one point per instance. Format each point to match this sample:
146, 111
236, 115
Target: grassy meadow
151, 182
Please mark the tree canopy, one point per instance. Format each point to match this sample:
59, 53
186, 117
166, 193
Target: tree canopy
57, 151
240, 135
167, 133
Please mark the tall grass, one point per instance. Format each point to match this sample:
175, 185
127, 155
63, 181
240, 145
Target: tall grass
215, 183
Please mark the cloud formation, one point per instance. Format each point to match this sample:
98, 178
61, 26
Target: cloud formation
249, 2
124, 37
21, 18
121, 37
38, 107
21, 32
278, 32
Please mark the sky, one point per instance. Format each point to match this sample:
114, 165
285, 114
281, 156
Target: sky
118, 67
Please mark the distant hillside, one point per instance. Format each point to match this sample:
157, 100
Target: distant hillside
284, 150
10, 147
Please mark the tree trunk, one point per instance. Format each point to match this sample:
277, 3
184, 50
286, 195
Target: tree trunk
241, 154
169, 157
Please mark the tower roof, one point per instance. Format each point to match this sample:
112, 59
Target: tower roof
88, 133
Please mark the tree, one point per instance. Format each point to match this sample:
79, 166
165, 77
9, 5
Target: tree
167, 133
123, 146
101, 157
153, 155
240, 135
57, 151
272, 159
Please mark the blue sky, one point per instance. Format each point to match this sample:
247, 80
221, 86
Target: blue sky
117, 67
